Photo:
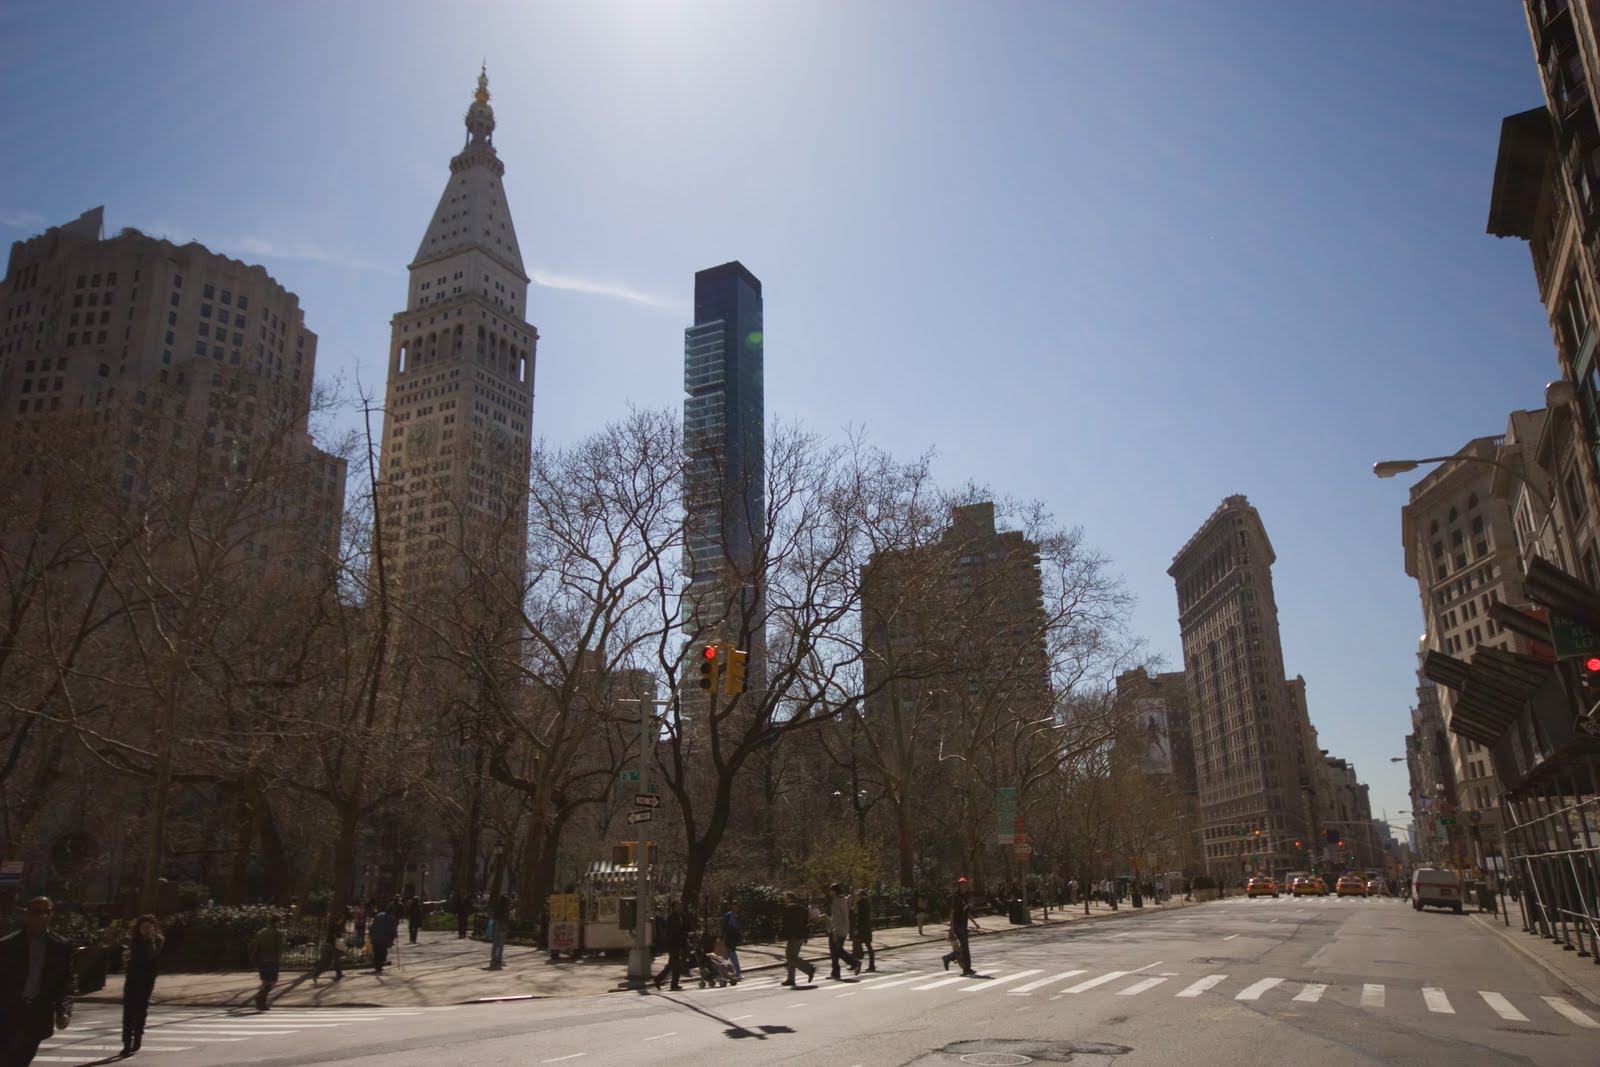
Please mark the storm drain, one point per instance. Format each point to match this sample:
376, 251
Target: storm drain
997, 1059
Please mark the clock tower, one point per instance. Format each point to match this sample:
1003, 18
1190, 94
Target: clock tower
458, 412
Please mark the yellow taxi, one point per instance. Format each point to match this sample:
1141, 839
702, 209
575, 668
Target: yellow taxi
1311, 885
1350, 886
1261, 887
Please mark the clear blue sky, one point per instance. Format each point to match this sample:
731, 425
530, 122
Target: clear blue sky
1125, 258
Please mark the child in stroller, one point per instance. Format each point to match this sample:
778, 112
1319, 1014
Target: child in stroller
714, 970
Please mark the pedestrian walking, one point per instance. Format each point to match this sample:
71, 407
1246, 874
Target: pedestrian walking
675, 939
414, 918
463, 909
385, 930
500, 923
363, 912
922, 913
331, 958
796, 932
35, 984
139, 982
266, 952
733, 936
839, 925
961, 918
864, 929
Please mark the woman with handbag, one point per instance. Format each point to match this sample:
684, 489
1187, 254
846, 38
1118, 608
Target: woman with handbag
144, 947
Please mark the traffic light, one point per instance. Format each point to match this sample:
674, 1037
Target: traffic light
733, 671
1591, 668
1333, 835
1341, 842
710, 667
1258, 831
1297, 844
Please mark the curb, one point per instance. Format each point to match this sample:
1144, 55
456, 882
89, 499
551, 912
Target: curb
1506, 934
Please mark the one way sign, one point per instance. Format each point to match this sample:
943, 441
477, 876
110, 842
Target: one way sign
640, 816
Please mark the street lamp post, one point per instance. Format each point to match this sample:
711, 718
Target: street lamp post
639, 962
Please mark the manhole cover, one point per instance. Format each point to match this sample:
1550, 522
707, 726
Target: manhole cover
997, 1059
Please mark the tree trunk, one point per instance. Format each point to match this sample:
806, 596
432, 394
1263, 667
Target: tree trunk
344, 870
902, 820
244, 835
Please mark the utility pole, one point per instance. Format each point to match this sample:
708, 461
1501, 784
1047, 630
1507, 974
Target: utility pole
639, 961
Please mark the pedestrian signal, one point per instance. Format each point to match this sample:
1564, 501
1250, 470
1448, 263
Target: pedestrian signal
710, 667
733, 672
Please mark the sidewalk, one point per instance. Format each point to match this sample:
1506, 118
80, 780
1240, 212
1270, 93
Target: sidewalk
1578, 974
440, 969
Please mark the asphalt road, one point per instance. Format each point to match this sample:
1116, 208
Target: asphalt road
1308, 981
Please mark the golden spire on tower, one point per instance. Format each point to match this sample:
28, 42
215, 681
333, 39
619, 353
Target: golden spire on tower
482, 95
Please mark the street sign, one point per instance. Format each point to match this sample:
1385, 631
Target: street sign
1570, 639
1005, 815
646, 800
627, 776
640, 816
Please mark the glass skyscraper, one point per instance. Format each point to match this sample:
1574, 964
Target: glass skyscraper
725, 441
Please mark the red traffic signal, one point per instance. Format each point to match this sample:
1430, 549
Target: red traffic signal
710, 668
711, 652
1591, 664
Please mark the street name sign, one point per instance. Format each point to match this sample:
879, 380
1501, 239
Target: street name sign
640, 816
646, 800
1571, 639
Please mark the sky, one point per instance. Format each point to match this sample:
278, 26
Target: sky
1126, 259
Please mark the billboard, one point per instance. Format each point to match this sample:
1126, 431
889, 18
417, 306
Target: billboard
1154, 743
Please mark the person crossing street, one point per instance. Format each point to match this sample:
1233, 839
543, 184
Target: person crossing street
961, 918
840, 905
796, 930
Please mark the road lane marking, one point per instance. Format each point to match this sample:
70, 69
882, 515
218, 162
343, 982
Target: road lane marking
852, 993
658, 1037
940, 982
995, 983
558, 1059
1502, 1007
1436, 1000
1255, 989
1570, 1012
115, 1048
1310, 992
1091, 983
1371, 996
1023, 990
1230, 937
736, 1018
1202, 985
898, 981
1139, 987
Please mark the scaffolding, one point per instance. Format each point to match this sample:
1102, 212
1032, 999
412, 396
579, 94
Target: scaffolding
1551, 837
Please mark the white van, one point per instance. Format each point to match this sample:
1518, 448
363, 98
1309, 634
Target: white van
1432, 885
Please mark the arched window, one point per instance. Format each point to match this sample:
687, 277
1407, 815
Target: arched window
1472, 501
403, 350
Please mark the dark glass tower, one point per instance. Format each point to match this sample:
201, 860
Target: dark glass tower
725, 440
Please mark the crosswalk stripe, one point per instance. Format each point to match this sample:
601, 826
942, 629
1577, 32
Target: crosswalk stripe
1091, 983
941, 982
915, 977
1046, 981
997, 982
1502, 1007
1139, 987
1202, 985
114, 1048
1371, 996
1255, 989
1570, 1012
1436, 1000
1310, 993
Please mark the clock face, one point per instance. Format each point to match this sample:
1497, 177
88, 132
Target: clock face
423, 439
500, 443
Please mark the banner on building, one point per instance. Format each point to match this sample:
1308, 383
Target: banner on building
1154, 741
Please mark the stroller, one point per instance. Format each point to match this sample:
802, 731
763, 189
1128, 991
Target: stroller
714, 970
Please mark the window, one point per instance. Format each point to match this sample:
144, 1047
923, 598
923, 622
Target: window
208, 291
244, 302
205, 311
227, 296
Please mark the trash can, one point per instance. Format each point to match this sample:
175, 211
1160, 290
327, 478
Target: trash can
1019, 913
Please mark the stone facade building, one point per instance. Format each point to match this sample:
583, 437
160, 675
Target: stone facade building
1247, 754
164, 362
458, 429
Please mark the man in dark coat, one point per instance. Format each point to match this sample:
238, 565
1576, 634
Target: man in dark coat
35, 985
796, 930
414, 918
385, 929
675, 937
